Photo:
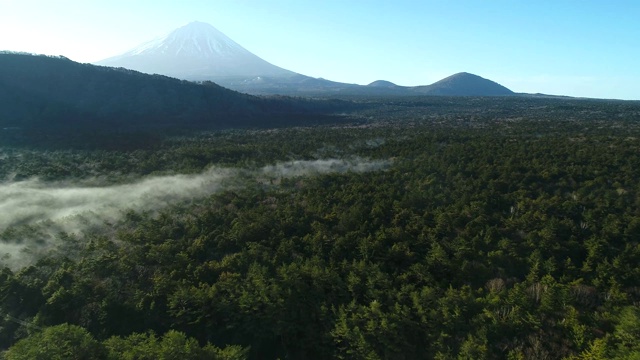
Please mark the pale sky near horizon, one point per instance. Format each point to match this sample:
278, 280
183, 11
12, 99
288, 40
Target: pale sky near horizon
563, 47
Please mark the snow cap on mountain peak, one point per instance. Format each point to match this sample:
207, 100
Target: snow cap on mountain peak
196, 51
194, 39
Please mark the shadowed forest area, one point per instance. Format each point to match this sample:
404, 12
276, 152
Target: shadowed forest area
406, 228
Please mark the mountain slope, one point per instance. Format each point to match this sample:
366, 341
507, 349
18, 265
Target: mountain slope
464, 84
56, 93
199, 52
196, 51
383, 83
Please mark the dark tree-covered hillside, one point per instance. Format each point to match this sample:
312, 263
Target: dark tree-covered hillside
57, 94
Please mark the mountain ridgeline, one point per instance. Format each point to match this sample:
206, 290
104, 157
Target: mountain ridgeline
197, 51
464, 84
177, 82
56, 93
200, 52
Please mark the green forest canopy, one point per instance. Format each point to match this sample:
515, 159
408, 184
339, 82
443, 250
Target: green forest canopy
495, 233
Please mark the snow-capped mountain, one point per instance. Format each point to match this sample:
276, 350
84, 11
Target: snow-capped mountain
196, 51
199, 52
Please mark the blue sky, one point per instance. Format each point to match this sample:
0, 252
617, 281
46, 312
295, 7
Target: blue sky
577, 48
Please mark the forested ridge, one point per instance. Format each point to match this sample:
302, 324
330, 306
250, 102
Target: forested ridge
52, 95
503, 233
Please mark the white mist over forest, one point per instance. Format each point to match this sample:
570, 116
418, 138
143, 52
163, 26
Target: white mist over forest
71, 208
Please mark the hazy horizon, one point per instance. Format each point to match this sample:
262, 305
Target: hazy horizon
584, 49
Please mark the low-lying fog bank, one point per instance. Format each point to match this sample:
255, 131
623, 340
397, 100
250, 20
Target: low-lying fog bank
51, 208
